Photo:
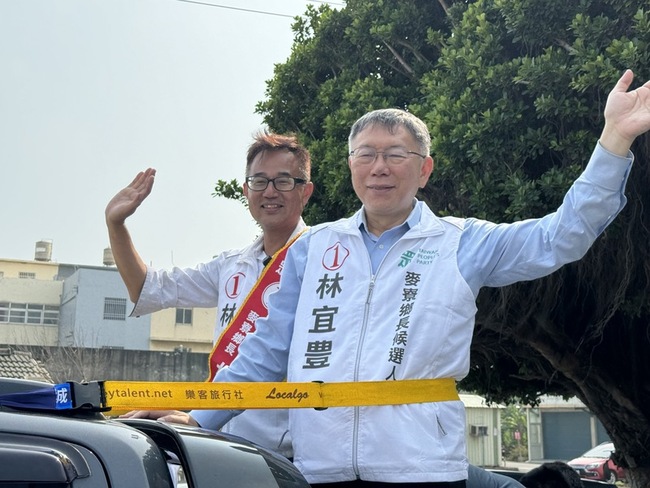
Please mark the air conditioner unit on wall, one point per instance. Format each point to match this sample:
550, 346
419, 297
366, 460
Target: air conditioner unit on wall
478, 430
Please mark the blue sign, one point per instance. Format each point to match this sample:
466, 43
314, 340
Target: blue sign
63, 396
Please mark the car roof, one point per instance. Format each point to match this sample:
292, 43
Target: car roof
69, 444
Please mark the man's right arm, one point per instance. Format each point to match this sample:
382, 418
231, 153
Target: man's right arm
129, 263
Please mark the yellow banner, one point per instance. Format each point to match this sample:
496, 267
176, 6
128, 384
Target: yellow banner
146, 395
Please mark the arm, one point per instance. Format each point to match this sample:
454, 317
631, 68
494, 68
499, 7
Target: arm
129, 263
263, 356
481, 478
492, 254
500, 254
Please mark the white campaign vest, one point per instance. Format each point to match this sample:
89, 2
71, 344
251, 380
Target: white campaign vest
223, 283
413, 319
269, 427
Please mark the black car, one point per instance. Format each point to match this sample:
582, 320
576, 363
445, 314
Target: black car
82, 448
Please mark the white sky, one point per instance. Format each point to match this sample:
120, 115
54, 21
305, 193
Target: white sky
93, 91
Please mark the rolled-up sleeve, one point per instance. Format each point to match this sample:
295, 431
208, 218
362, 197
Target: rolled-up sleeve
179, 287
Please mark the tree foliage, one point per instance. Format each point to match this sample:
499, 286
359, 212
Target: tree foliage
513, 92
514, 433
343, 64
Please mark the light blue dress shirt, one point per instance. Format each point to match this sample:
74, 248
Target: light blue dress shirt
488, 254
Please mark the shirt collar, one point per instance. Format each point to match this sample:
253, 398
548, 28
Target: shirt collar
258, 245
412, 220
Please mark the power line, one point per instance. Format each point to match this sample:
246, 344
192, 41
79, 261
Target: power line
252, 10
329, 3
235, 8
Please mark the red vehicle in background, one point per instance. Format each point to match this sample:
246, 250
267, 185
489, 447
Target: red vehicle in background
596, 464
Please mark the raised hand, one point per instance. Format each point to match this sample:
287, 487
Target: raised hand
627, 114
132, 268
127, 200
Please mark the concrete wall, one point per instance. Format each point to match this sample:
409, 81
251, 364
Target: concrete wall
86, 364
167, 335
11, 268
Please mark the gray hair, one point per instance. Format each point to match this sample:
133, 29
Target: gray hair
392, 119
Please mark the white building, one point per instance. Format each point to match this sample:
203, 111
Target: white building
43, 303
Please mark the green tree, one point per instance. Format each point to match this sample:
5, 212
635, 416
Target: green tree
513, 92
345, 62
509, 140
514, 433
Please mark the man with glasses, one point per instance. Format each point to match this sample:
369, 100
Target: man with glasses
277, 189
389, 294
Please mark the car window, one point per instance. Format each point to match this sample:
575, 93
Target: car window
602, 451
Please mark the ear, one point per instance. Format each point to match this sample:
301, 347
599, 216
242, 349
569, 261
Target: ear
425, 170
307, 191
245, 190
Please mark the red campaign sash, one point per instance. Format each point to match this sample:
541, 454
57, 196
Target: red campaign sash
226, 348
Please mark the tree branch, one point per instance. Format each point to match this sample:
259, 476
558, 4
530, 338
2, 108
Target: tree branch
410, 47
565, 45
399, 58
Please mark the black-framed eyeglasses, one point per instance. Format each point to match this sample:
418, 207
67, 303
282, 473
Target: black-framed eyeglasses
280, 183
393, 156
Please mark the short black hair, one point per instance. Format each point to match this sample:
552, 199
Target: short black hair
268, 141
554, 474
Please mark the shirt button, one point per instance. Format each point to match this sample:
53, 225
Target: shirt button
381, 246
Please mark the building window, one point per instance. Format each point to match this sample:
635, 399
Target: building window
4, 312
114, 308
17, 313
50, 315
34, 314
29, 313
184, 316
27, 276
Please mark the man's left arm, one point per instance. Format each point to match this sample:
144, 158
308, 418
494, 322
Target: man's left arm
501, 254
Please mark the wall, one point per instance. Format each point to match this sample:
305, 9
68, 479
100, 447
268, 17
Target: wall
11, 268
29, 291
482, 450
82, 309
166, 334
560, 429
87, 364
